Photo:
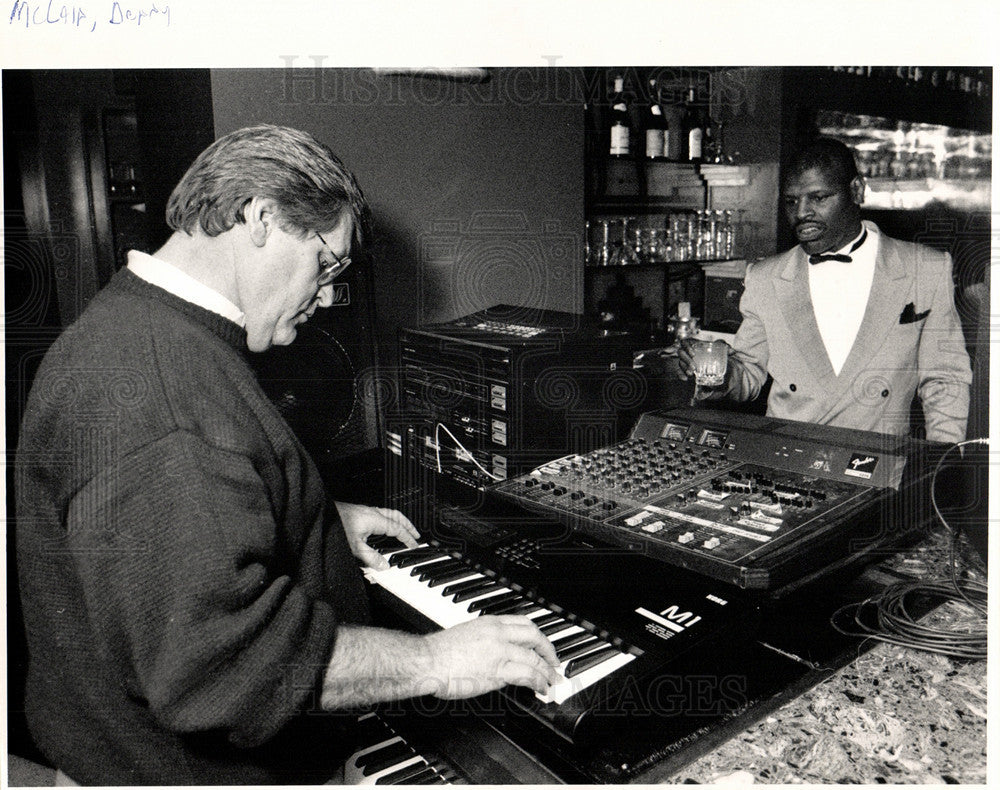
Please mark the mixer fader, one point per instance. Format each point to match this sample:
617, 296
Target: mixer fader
757, 502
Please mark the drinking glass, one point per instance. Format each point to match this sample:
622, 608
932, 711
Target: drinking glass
709, 359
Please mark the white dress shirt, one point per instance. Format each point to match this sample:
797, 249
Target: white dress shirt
170, 278
839, 294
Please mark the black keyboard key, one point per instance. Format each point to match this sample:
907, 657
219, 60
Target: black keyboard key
474, 592
503, 596
582, 664
580, 650
433, 571
555, 627
406, 775
503, 604
424, 552
568, 641
418, 556
422, 567
385, 757
520, 607
546, 619
468, 584
447, 578
429, 778
385, 543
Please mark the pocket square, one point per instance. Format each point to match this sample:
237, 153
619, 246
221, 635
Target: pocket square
910, 316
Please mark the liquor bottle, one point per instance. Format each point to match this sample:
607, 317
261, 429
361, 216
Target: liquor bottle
657, 133
620, 126
692, 129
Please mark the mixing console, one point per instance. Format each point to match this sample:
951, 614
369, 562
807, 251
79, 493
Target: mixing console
756, 505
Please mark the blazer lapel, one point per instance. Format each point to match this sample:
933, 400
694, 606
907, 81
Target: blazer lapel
795, 303
885, 301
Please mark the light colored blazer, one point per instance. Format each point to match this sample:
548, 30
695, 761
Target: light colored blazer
910, 340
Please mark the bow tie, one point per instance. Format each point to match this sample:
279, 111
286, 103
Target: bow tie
840, 256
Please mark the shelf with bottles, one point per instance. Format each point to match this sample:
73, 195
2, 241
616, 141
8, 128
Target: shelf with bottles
959, 97
655, 133
703, 236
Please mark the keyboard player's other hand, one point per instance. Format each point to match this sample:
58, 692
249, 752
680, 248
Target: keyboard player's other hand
362, 521
488, 653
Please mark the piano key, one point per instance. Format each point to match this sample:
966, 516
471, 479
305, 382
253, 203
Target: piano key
412, 767
464, 572
415, 761
427, 778
436, 605
582, 649
430, 603
563, 689
546, 619
390, 753
405, 551
560, 625
506, 596
471, 584
521, 607
568, 641
490, 586
409, 775
431, 567
385, 543
577, 665
405, 559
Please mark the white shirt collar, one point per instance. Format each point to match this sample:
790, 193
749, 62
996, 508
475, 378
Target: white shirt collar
171, 279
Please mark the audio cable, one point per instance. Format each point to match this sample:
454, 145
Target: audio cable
886, 617
464, 453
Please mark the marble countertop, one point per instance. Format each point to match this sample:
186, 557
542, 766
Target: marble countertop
894, 715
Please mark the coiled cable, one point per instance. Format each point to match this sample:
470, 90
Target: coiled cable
886, 617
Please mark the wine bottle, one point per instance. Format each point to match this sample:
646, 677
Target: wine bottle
657, 134
620, 126
692, 129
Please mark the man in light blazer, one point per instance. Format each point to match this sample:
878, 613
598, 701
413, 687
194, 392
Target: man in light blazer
850, 323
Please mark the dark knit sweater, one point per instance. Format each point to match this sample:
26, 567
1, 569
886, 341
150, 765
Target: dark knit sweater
182, 578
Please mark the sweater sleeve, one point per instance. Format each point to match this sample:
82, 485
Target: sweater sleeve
192, 596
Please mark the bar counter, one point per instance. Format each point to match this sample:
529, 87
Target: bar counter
894, 715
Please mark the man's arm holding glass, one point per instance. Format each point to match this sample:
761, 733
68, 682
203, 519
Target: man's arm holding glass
744, 363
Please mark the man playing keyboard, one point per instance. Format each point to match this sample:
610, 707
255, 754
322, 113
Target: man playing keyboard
193, 606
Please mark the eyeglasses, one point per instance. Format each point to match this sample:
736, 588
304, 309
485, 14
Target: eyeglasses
329, 271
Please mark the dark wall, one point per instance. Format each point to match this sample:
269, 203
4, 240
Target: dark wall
173, 110
477, 188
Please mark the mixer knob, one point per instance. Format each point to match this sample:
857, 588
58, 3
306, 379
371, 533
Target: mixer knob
711, 543
576, 495
558, 491
589, 501
687, 537
548, 485
529, 482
